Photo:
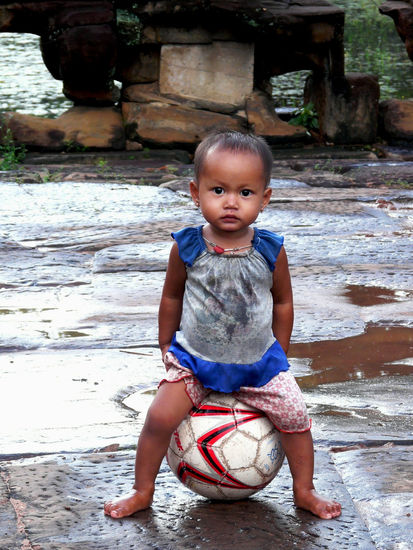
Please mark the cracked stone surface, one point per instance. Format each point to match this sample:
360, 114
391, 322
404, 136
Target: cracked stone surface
81, 271
58, 502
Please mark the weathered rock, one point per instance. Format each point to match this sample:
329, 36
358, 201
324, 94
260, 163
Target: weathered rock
350, 114
145, 93
133, 145
265, 122
149, 93
173, 125
79, 127
396, 120
78, 42
213, 53
173, 35
221, 72
139, 65
84, 58
402, 15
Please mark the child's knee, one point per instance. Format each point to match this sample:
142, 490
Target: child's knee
160, 420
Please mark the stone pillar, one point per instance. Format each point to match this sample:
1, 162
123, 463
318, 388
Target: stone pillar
348, 114
79, 46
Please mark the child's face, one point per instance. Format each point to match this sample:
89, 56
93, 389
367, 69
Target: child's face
231, 190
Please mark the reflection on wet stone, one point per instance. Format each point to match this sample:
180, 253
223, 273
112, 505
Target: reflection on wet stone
81, 272
132, 257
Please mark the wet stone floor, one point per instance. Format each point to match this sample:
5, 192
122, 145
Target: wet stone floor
81, 271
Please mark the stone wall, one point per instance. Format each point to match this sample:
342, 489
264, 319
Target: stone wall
187, 67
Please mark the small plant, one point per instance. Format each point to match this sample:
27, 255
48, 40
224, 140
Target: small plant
102, 166
328, 166
101, 163
306, 116
170, 168
11, 154
74, 147
398, 182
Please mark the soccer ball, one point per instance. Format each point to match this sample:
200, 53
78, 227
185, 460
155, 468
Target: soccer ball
224, 449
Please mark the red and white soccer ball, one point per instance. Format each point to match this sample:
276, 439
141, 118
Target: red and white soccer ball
224, 449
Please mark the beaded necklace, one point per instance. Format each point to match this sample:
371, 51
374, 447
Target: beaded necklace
219, 250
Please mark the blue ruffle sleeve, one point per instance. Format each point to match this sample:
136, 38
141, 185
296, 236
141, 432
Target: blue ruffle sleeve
268, 244
190, 244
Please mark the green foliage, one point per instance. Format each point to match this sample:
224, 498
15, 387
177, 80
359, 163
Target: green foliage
373, 46
11, 154
399, 182
328, 166
306, 116
102, 166
129, 27
74, 147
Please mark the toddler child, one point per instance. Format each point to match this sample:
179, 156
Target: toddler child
225, 320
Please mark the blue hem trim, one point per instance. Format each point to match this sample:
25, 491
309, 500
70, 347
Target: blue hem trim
230, 377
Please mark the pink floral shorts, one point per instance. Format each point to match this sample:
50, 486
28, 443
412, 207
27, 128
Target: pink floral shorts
280, 399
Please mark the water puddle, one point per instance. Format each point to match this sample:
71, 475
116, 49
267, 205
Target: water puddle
380, 351
71, 334
366, 296
380, 164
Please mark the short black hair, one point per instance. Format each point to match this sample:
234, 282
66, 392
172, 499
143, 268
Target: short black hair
237, 142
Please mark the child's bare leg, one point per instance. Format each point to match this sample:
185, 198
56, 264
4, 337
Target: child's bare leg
299, 450
168, 409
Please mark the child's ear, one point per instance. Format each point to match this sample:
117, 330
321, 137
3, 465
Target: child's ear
193, 188
266, 198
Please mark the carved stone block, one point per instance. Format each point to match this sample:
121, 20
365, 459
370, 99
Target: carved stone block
221, 72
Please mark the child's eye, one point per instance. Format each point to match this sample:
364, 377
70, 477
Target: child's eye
218, 190
246, 193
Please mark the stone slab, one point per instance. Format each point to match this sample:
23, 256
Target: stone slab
262, 117
79, 127
380, 482
56, 502
75, 398
132, 257
173, 125
221, 72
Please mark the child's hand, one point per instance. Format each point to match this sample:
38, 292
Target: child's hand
164, 350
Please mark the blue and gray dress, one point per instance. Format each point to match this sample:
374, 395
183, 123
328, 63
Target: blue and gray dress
225, 337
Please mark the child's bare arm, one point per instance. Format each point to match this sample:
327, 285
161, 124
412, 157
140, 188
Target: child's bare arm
170, 308
283, 311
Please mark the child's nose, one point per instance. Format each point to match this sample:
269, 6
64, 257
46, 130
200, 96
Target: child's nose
231, 200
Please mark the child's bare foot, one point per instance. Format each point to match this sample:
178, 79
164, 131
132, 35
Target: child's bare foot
309, 499
128, 504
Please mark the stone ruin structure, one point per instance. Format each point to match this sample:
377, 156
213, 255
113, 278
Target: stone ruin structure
188, 66
396, 117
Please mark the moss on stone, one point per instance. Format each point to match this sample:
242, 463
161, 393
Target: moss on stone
129, 28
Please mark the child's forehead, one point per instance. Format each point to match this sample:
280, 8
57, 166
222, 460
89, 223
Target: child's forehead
221, 164
223, 151
229, 155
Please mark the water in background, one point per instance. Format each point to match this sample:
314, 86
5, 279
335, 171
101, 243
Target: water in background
25, 83
371, 41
